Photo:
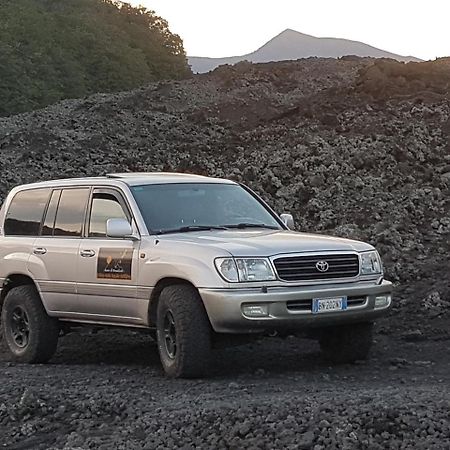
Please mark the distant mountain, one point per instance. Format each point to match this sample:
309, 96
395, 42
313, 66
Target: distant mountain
291, 44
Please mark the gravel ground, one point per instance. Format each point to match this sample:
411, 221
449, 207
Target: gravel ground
107, 390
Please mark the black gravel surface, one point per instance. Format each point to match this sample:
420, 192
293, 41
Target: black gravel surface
106, 390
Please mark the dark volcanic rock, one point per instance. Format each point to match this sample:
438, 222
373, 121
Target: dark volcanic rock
351, 147
389, 78
106, 390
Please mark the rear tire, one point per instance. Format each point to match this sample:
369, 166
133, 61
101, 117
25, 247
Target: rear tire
348, 343
31, 336
183, 332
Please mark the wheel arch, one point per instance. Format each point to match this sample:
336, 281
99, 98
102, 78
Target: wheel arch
154, 298
12, 281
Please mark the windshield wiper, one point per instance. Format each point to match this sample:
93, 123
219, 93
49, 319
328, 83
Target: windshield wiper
242, 225
186, 229
252, 225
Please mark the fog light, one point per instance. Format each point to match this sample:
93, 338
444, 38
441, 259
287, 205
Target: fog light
255, 310
382, 301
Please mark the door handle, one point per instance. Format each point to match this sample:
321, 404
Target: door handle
39, 251
87, 253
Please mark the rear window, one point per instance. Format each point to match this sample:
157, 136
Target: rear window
50, 216
25, 212
71, 210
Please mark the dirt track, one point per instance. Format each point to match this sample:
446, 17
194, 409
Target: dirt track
107, 390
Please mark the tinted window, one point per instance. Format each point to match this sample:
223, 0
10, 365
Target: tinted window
25, 212
70, 215
49, 222
104, 206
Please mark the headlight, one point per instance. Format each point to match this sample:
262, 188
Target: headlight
245, 269
370, 263
227, 268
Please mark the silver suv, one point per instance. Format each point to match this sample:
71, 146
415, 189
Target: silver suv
190, 257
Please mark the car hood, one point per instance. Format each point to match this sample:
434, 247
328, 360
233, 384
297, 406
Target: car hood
253, 242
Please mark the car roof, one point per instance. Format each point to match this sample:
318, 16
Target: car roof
131, 179
164, 177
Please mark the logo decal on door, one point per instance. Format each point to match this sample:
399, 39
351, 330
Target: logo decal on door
115, 263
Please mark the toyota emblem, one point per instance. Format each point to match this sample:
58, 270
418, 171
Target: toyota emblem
322, 266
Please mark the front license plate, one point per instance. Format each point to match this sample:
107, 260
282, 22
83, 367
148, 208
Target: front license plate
324, 305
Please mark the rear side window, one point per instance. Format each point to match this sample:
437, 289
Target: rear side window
25, 212
50, 216
70, 214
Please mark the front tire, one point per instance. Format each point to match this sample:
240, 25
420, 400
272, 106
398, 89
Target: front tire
183, 332
30, 334
348, 343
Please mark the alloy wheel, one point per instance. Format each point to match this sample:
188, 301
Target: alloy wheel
20, 327
170, 336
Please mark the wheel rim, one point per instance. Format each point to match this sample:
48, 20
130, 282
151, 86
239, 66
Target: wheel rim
20, 327
170, 336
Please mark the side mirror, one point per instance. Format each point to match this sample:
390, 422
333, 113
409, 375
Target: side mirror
288, 220
119, 228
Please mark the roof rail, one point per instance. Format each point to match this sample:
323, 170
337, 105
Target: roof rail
128, 174
150, 174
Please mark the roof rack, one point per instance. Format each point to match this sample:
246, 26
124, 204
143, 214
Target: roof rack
148, 174
127, 174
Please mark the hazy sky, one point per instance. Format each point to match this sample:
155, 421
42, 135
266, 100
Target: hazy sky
234, 27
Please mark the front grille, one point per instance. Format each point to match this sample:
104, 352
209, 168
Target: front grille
306, 304
303, 268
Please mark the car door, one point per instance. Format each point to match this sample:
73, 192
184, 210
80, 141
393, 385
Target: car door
108, 267
55, 252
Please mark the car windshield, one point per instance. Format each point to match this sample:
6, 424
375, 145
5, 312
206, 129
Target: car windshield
184, 207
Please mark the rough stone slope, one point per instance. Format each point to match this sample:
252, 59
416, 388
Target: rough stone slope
353, 147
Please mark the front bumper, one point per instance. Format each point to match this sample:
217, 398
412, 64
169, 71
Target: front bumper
224, 306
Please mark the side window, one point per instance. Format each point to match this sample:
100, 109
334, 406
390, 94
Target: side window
50, 216
25, 212
70, 214
105, 205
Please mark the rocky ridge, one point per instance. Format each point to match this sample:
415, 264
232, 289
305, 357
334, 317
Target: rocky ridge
354, 147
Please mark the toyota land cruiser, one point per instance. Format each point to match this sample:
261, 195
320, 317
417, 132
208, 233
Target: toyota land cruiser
188, 256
